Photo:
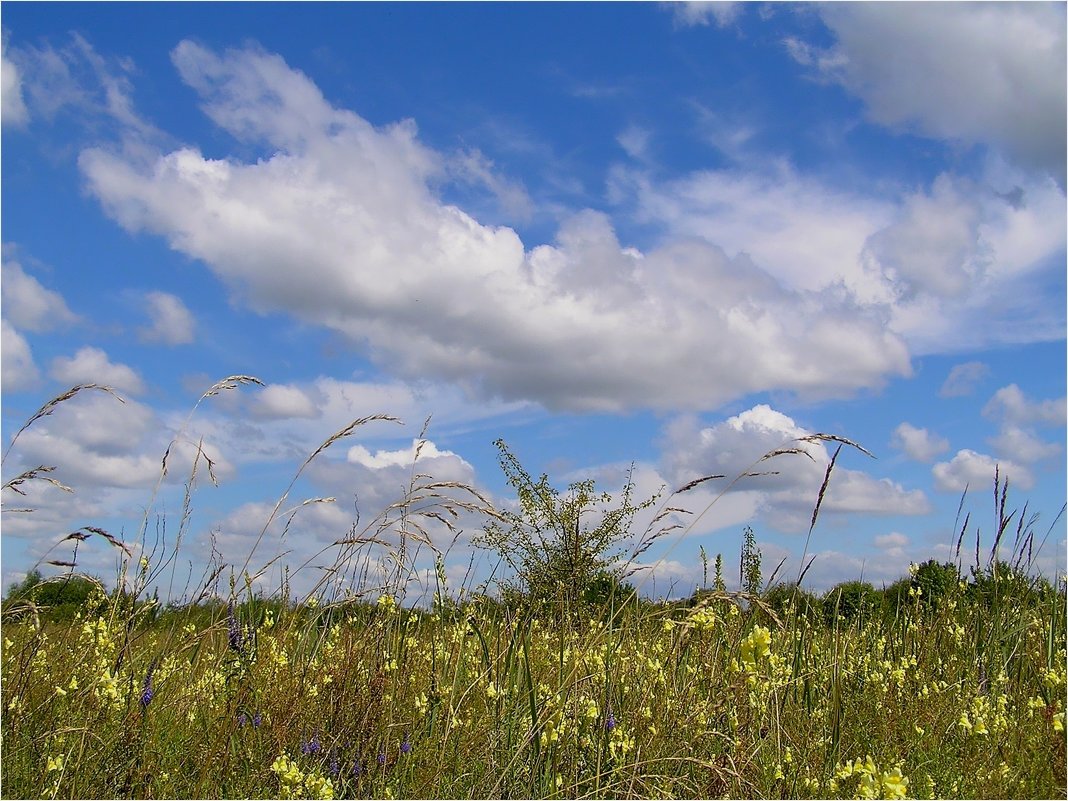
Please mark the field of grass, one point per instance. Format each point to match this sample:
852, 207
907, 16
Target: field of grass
705, 700
952, 689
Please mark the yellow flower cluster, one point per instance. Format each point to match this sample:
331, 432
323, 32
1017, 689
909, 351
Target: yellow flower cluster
871, 782
298, 784
703, 619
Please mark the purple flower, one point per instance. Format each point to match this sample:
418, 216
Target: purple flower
257, 719
335, 765
146, 689
313, 746
406, 744
242, 718
234, 629
610, 721
381, 757
356, 769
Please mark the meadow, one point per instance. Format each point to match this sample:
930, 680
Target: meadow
566, 683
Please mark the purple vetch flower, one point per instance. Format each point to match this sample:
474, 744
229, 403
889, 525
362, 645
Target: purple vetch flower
406, 744
146, 690
242, 718
381, 757
335, 764
235, 637
313, 746
357, 769
609, 721
257, 719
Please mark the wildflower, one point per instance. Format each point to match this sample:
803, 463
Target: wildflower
242, 718
146, 690
381, 757
609, 721
55, 763
755, 647
1058, 722
235, 637
406, 744
257, 719
313, 746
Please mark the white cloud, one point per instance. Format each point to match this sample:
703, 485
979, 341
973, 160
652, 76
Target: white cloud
351, 205
891, 540
635, 141
805, 234
91, 366
29, 305
421, 450
963, 378
690, 13
1011, 405
736, 446
172, 323
1024, 446
19, 371
75, 77
12, 107
933, 247
918, 443
474, 167
968, 265
94, 440
281, 401
969, 469
988, 72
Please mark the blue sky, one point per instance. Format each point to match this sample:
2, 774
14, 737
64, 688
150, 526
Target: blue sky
669, 236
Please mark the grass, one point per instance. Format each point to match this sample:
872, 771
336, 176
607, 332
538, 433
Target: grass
959, 694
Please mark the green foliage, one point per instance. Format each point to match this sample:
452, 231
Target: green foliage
749, 567
58, 598
787, 599
718, 583
562, 547
935, 581
855, 601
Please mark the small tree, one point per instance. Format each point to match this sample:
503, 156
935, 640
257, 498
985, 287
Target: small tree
562, 546
852, 600
749, 566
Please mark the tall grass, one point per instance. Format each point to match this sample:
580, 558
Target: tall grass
357, 695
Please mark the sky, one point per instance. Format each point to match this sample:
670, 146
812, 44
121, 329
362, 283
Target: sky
645, 239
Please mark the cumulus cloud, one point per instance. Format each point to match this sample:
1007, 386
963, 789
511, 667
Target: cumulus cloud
735, 446
1013, 406
892, 544
19, 370
991, 73
12, 107
378, 253
963, 378
281, 401
969, 469
172, 322
420, 450
963, 266
92, 366
94, 440
28, 305
918, 443
1022, 445
933, 247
